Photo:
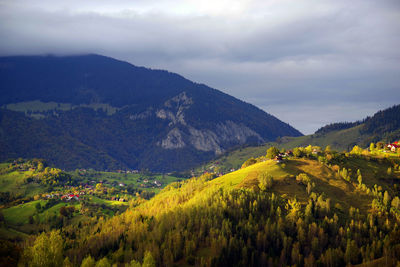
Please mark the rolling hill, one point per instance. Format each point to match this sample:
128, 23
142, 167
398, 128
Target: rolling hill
93, 111
301, 211
382, 126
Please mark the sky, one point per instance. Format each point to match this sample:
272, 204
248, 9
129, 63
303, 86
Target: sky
307, 62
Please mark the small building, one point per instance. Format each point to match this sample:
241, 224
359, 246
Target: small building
289, 153
315, 151
393, 147
278, 159
70, 197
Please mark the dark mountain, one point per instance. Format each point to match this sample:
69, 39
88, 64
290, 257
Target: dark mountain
384, 122
337, 126
382, 126
94, 111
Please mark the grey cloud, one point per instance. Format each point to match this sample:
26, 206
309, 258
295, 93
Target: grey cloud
300, 56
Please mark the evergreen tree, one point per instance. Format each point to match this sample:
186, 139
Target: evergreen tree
148, 260
88, 262
372, 147
103, 263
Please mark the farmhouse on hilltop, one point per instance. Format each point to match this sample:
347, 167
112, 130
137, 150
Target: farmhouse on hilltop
393, 147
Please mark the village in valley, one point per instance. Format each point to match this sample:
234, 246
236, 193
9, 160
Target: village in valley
32, 193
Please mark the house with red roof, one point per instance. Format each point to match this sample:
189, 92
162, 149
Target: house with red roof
70, 197
394, 146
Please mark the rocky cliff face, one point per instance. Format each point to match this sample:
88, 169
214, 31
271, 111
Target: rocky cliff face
182, 134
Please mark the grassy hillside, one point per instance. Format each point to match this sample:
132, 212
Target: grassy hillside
233, 159
324, 176
322, 209
338, 140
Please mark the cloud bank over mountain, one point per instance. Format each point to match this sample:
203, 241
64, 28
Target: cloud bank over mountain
307, 62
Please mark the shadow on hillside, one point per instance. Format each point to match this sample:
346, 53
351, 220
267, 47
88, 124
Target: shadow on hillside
344, 195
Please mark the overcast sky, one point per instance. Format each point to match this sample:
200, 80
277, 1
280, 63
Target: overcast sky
308, 62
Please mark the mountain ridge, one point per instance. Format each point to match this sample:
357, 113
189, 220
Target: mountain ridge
146, 115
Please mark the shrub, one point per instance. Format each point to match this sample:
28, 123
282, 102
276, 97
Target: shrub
265, 181
272, 152
303, 178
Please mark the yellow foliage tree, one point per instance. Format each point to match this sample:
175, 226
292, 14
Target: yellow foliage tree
47, 250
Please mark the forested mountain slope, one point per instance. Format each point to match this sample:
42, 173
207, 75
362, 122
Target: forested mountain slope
329, 209
94, 111
382, 126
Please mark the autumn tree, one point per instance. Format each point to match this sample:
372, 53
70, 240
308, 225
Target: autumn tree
148, 260
134, 263
328, 149
359, 177
372, 147
386, 199
88, 262
294, 209
297, 152
265, 181
303, 178
40, 167
103, 263
249, 162
47, 250
356, 150
352, 252
380, 145
272, 152
389, 171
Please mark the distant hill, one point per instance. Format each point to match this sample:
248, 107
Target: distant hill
337, 126
92, 111
382, 126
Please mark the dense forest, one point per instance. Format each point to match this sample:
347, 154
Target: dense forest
305, 207
384, 124
337, 126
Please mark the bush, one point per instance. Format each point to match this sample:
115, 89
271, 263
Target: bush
265, 181
297, 152
249, 162
272, 152
303, 178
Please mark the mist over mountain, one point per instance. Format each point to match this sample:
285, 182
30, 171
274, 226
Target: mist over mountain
94, 111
